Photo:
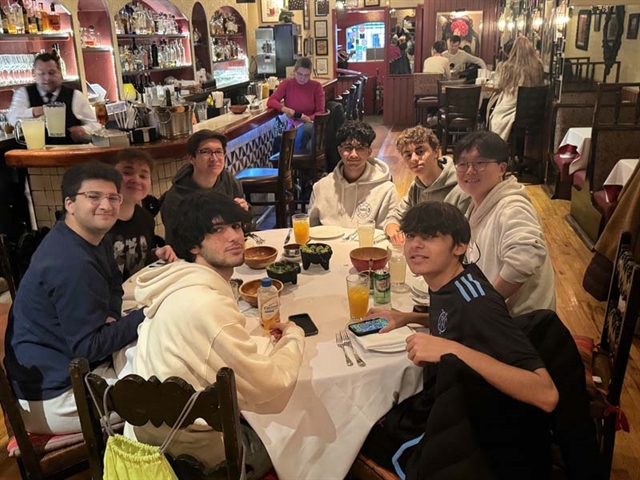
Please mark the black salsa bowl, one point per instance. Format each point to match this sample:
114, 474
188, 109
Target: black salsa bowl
318, 253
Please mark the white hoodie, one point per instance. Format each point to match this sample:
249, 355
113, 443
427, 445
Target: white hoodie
335, 201
193, 328
507, 231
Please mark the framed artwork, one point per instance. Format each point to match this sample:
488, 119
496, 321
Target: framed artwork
322, 66
371, 3
245, 1
320, 28
468, 27
597, 22
351, 3
583, 29
322, 47
322, 8
632, 26
295, 5
270, 10
307, 15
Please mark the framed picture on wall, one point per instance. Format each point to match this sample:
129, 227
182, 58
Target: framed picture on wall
322, 8
322, 47
632, 27
371, 3
307, 15
583, 29
270, 10
322, 66
320, 28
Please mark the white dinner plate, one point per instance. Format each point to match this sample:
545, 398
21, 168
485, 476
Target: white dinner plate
325, 232
418, 284
389, 349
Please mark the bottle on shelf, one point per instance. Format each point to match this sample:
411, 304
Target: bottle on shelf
37, 17
154, 55
268, 304
63, 67
54, 19
25, 16
16, 20
44, 18
92, 38
4, 20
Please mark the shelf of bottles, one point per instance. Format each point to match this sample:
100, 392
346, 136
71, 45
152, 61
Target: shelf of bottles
228, 47
151, 41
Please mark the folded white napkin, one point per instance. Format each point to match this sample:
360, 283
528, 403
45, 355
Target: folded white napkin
395, 340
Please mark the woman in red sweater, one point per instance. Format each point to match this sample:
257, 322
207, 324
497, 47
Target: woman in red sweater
303, 99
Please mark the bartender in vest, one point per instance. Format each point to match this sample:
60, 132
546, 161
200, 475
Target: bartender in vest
27, 102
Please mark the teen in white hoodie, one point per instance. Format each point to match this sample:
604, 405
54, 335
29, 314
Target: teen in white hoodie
511, 249
359, 188
193, 328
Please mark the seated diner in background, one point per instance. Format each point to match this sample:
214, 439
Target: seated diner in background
132, 238
300, 99
507, 240
359, 188
206, 151
435, 178
27, 102
474, 348
437, 63
68, 304
193, 327
458, 58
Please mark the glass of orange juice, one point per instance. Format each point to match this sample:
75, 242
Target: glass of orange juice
358, 295
300, 222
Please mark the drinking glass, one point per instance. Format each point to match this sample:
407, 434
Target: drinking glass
366, 230
251, 93
55, 114
358, 295
300, 222
33, 131
397, 267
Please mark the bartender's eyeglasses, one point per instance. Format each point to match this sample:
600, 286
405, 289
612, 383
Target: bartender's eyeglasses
95, 198
478, 166
207, 152
350, 148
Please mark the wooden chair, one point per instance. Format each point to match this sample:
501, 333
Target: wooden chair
608, 360
459, 113
139, 401
531, 107
425, 95
278, 182
361, 96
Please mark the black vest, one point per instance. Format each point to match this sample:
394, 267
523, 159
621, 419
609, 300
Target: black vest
65, 96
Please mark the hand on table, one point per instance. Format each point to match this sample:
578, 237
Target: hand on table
394, 318
423, 348
242, 202
79, 134
289, 112
166, 253
278, 330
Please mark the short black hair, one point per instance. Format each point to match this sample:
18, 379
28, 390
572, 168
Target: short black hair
439, 46
430, 218
489, 145
47, 57
356, 130
202, 135
195, 215
303, 62
73, 178
455, 39
131, 155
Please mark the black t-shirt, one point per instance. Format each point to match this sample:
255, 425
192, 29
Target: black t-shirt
132, 242
470, 311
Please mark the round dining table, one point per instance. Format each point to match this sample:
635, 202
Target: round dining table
322, 424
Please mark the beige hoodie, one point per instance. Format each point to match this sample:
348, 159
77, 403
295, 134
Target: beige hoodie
193, 328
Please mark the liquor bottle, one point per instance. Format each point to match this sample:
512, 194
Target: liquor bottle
4, 21
54, 19
154, 55
25, 16
44, 18
33, 21
63, 67
15, 19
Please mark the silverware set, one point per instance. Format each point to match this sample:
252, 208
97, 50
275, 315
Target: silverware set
259, 240
348, 237
343, 341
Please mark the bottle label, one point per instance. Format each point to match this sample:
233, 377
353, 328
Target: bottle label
270, 312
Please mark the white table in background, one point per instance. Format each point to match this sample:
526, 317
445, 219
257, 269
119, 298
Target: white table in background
618, 177
322, 427
579, 137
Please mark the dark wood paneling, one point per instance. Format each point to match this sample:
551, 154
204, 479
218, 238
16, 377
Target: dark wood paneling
398, 101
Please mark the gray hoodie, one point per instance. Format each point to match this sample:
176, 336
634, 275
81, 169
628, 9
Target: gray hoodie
335, 201
183, 185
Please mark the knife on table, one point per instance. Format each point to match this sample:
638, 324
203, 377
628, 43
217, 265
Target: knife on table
286, 239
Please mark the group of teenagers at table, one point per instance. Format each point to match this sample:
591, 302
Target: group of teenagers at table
467, 227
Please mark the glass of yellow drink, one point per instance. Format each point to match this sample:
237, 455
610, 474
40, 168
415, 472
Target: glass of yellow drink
300, 222
358, 295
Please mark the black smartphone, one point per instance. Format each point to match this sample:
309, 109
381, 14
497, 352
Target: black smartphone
368, 326
303, 320
297, 115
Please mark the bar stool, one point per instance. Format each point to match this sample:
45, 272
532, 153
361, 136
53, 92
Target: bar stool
276, 181
459, 113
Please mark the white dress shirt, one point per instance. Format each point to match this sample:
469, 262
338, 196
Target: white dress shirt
21, 108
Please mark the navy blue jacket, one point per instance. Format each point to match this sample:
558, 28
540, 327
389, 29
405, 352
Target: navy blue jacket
60, 313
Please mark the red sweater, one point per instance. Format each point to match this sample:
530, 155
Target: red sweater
307, 99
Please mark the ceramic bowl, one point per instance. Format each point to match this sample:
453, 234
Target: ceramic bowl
238, 109
360, 258
292, 250
249, 291
259, 257
286, 272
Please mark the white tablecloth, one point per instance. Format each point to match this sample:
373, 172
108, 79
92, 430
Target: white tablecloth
319, 432
579, 137
620, 173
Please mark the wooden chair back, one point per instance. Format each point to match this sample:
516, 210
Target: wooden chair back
351, 109
426, 84
442, 93
285, 176
319, 140
462, 102
140, 401
531, 107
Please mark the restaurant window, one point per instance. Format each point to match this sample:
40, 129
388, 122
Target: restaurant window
367, 39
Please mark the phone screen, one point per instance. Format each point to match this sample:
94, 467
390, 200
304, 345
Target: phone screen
303, 320
368, 326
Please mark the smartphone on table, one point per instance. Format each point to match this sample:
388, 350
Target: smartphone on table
368, 327
303, 320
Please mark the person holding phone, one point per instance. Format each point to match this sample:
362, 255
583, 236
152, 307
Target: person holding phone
300, 99
468, 319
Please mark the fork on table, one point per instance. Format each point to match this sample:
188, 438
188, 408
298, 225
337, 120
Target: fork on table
340, 343
259, 240
347, 343
349, 237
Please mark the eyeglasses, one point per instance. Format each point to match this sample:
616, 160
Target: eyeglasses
477, 166
95, 198
206, 152
350, 148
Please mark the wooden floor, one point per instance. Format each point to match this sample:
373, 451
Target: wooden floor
579, 311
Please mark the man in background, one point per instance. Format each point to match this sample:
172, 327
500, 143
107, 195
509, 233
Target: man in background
458, 58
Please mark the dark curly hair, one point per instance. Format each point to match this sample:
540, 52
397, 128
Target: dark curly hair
356, 130
417, 135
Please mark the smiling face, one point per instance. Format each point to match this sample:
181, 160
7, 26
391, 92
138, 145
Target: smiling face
209, 159
433, 256
477, 175
136, 180
91, 220
354, 158
418, 157
223, 248
47, 75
